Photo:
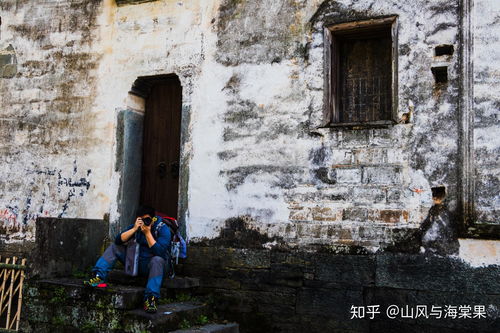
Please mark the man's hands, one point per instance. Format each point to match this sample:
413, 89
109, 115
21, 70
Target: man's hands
145, 229
139, 225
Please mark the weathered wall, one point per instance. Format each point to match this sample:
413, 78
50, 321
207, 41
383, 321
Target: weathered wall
54, 145
252, 76
315, 186
486, 108
256, 171
75, 66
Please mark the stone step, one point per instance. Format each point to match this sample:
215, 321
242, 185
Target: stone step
178, 282
116, 308
168, 317
117, 296
212, 328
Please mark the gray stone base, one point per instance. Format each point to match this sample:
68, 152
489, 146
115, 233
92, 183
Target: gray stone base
293, 291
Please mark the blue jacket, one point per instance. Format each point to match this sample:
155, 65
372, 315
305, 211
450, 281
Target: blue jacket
161, 246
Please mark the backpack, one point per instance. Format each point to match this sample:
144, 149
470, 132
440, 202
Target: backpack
178, 246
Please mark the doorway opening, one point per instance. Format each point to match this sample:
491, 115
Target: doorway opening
149, 145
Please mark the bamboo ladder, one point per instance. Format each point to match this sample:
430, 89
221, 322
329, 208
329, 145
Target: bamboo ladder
10, 274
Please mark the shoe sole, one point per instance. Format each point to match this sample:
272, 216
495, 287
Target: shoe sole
100, 285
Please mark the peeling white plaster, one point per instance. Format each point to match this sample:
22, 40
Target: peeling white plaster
479, 253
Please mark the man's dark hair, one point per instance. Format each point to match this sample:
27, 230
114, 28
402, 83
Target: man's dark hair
145, 210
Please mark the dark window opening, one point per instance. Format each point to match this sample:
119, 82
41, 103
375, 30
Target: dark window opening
360, 72
443, 50
440, 74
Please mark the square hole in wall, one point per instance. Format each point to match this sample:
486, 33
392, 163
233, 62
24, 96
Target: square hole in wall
438, 192
440, 74
445, 49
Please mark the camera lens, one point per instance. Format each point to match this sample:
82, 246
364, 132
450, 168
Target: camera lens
147, 221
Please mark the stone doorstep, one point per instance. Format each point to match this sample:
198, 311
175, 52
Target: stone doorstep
212, 328
130, 298
168, 316
122, 297
178, 282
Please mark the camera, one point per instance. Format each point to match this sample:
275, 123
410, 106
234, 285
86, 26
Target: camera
147, 221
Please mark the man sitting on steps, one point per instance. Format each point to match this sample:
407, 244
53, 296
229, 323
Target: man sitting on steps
153, 252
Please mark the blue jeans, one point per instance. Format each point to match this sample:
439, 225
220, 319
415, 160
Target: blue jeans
153, 268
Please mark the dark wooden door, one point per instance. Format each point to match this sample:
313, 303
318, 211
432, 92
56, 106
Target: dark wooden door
161, 147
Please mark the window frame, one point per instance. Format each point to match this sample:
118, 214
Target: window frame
331, 111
